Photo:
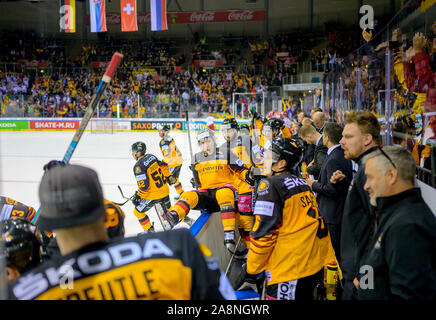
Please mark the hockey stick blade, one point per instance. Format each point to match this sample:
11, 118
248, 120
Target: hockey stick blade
161, 214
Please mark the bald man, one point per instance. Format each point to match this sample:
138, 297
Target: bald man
319, 121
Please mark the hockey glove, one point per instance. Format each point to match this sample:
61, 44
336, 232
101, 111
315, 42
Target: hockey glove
193, 183
136, 199
171, 180
253, 282
252, 175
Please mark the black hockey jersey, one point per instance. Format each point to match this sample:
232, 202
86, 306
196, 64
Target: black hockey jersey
165, 265
10, 209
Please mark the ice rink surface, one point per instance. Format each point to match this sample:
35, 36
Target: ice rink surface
23, 155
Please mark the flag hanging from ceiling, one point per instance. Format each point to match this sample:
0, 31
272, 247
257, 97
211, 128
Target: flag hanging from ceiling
128, 15
97, 12
67, 13
158, 10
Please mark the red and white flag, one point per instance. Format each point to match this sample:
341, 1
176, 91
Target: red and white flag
128, 16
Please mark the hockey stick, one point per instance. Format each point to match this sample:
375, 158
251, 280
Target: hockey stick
233, 256
159, 207
107, 77
122, 195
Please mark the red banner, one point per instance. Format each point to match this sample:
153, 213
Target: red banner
33, 63
54, 125
195, 17
208, 63
99, 64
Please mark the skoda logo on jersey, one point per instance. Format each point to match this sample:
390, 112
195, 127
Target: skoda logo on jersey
263, 188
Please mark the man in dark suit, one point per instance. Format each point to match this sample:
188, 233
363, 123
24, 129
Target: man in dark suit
331, 197
309, 134
318, 119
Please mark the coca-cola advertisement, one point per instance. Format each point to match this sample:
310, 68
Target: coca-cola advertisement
195, 17
208, 63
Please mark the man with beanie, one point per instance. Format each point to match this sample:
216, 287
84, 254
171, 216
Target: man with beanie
92, 267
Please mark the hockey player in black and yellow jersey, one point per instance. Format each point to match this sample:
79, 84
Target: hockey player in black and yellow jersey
165, 265
242, 146
10, 209
171, 155
214, 172
289, 241
152, 176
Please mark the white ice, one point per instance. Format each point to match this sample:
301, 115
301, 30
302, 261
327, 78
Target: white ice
24, 153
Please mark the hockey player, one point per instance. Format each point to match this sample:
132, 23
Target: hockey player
171, 155
152, 176
214, 172
164, 265
289, 241
10, 209
21, 247
242, 146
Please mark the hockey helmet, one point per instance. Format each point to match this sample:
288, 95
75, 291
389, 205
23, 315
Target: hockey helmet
21, 244
139, 146
53, 163
229, 123
205, 133
288, 149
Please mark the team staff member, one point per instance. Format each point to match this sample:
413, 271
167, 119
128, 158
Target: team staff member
312, 137
165, 265
10, 209
402, 251
289, 240
331, 197
171, 155
22, 247
114, 221
152, 176
214, 172
361, 136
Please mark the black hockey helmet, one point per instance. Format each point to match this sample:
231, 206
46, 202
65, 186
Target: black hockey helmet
275, 124
229, 123
139, 146
21, 244
166, 127
244, 126
288, 149
53, 163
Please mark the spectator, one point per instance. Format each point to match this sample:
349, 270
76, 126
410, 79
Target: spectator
360, 137
402, 250
330, 197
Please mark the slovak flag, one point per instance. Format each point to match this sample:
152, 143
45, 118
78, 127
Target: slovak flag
158, 10
97, 12
128, 15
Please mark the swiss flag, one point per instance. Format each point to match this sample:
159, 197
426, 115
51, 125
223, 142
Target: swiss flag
128, 15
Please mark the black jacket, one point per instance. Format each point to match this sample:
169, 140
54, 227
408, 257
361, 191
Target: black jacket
318, 157
331, 197
357, 222
402, 251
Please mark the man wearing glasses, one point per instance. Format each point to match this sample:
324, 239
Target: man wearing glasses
400, 260
361, 136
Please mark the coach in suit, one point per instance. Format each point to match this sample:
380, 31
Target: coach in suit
331, 197
309, 134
